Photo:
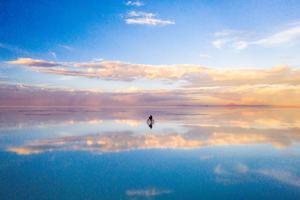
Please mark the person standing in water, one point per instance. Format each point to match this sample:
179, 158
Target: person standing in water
150, 121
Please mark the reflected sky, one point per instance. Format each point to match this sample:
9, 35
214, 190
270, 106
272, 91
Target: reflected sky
190, 153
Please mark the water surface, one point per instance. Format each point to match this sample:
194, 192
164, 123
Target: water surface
190, 153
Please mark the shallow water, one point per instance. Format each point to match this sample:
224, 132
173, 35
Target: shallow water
190, 153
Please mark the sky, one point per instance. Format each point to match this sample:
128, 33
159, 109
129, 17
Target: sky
143, 52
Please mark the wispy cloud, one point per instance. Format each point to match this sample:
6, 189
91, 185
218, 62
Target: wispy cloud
13, 48
53, 54
219, 43
204, 56
134, 3
283, 37
146, 18
67, 47
240, 40
230, 39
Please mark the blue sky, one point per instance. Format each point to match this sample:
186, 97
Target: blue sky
214, 34
97, 29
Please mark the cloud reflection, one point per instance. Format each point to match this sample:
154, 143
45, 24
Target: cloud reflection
102, 131
149, 192
282, 176
125, 141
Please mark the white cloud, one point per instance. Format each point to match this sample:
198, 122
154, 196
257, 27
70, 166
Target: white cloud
231, 39
241, 40
141, 14
148, 21
145, 18
239, 45
282, 37
134, 3
219, 43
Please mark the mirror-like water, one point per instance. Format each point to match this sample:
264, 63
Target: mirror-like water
190, 153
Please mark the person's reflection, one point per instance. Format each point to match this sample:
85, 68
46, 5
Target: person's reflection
150, 121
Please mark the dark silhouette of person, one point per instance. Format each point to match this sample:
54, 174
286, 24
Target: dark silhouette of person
150, 121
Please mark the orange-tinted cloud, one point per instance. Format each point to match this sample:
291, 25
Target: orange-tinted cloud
195, 75
33, 62
200, 85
